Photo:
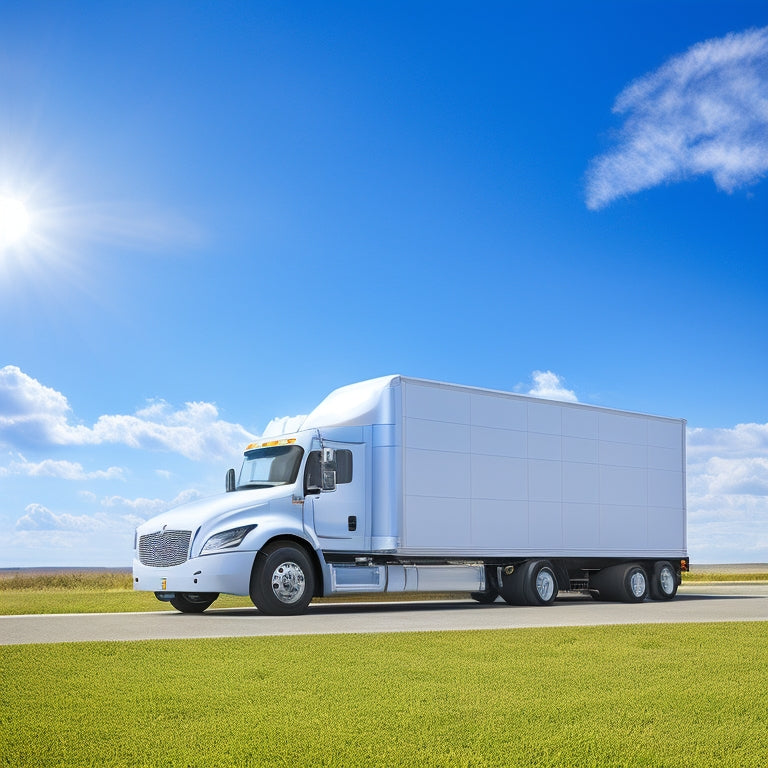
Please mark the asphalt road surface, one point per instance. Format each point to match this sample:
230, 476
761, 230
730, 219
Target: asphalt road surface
694, 603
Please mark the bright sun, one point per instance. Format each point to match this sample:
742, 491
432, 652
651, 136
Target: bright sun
14, 222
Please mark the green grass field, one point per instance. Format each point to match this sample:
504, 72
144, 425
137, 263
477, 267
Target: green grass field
659, 695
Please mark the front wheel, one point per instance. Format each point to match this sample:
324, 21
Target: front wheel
193, 602
283, 580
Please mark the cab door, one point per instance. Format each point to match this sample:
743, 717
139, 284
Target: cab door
340, 515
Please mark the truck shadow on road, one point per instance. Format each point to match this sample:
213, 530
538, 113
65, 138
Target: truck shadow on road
562, 603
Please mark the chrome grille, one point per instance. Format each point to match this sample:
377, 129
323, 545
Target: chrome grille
164, 548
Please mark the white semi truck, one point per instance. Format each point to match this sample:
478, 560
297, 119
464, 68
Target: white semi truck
404, 485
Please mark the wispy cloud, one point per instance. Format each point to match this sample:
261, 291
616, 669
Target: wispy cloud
62, 469
146, 508
32, 414
704, 112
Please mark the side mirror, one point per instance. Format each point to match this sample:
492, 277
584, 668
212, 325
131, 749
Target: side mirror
328, 469
329, 479
230, 481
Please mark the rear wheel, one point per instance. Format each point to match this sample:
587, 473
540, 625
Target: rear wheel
635, 586
663, 584
540, 583
283, 580
627, 583
531, 583
193, 602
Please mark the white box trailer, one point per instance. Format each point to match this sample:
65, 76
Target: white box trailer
399, 484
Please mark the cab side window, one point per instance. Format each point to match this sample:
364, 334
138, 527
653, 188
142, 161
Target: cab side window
343, 467
312, 473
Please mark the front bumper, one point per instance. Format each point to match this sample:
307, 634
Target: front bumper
226, 572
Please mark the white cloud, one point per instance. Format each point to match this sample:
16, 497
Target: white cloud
550, 385
703, 112
32, 414
728, 493
42, 536
36, 517
147, 508
283, 425
64, 470
743, 440
123, 514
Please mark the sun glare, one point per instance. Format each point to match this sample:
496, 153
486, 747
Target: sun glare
14, 222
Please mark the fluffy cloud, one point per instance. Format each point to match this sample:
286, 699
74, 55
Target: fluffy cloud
32, 414
283, 425
728, 493
743, 440
550, 385
36, 517
703, 112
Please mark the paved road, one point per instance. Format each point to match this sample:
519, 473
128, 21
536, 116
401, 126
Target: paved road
736, 602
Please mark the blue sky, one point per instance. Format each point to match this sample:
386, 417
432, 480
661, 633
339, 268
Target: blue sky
234, 208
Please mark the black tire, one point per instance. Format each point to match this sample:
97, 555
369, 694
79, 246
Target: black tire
531, 583
283, 580
512, 587
540, 583
625, 583
664, 581
193, 602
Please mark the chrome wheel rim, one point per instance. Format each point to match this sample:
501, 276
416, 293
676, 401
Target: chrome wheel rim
637, 583
667, 581
288, 582
545, 584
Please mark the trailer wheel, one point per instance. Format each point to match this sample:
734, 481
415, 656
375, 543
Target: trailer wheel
540, 583
283, 580
193, 602
663, 584
512, 585
626, 583
634, 584
531, 583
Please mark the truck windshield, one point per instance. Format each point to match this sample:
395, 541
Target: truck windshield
267, 467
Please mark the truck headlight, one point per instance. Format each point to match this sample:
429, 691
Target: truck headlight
227, 539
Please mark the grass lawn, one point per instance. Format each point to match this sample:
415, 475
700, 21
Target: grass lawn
658, 695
